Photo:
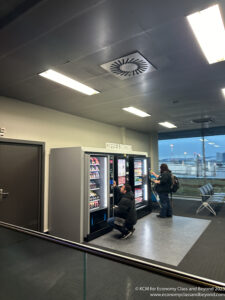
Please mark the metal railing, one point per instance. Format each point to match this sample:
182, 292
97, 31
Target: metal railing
134, 262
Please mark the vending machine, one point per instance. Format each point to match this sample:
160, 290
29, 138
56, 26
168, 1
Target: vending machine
139, 168
97, 198
79, 202
134, 170
81, 197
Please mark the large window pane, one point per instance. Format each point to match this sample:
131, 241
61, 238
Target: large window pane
195, 161
215, 156
183, 156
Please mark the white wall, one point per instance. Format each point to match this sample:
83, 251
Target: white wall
30, 122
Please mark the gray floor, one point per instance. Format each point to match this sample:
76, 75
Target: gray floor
163, 240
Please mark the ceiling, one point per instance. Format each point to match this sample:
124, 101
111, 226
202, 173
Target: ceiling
76, 37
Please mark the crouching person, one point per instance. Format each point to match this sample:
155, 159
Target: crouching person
125, 215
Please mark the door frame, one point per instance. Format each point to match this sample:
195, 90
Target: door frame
42, 171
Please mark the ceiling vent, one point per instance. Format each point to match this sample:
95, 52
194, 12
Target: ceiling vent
203, 120
128, 66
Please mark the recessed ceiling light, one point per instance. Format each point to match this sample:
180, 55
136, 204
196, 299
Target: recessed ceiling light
69, 82
168, 125
217, 146
211, 143
136, 111
208, 28
203, 140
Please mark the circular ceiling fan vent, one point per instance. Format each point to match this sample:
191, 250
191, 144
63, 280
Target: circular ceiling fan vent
128, 66
203, 120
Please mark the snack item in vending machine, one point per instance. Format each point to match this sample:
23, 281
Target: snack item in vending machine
96, 161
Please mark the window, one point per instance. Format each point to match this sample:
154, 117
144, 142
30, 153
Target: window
194, 157
215, 156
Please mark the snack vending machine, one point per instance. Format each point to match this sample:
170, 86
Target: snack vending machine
97, 188
79, 203
97, 183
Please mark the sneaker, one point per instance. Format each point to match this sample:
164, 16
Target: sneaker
133, 230
122, 236
125, 236
159, 216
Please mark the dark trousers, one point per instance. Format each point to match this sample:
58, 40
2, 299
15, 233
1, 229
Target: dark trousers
122, 229
166, 208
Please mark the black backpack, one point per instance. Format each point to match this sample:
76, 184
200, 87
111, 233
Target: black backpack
175, 184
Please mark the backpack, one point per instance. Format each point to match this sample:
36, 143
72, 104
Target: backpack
175, 184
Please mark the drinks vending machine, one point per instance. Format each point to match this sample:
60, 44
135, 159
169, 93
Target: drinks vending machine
134, 170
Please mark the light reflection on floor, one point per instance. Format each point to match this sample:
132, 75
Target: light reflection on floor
163, 240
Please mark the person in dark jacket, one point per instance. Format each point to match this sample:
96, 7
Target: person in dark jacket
125, 210
116, 193
163, 188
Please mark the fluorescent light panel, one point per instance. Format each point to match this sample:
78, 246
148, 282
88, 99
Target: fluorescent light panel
209, 30
136, 111
168, 125
66, 81
223, 91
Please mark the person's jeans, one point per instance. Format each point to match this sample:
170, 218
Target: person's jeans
166, 209
111, 223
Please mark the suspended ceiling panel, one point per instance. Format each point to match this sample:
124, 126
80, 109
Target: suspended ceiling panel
77, 37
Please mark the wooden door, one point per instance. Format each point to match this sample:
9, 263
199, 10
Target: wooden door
20, 177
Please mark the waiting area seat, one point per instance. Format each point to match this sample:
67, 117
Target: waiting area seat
208, 197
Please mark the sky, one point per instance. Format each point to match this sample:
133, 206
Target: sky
189, 147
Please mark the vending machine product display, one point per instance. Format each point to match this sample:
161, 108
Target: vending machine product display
138, 177
96, 194
97, 183
138, 180
121, 169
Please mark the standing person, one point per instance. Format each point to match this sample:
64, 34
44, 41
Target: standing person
125, 210
163, 188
